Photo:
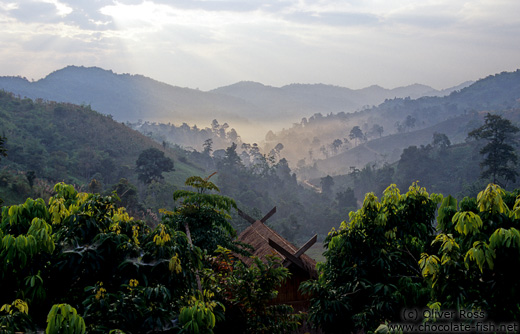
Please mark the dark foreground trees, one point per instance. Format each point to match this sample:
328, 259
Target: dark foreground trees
372, 268
82, 251
500, 159
80, 264
389, 258
79, 260
478, 245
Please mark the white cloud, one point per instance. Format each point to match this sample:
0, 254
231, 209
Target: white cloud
205, 44
61, 8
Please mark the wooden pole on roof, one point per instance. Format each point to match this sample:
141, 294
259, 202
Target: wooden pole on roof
251, 220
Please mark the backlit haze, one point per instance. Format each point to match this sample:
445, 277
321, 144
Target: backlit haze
208, 44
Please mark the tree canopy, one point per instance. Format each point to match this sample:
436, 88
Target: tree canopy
151, 163
477, 245
326, 183
205, 213
80, 264
356, 133
390, 256
371, 270
500, 159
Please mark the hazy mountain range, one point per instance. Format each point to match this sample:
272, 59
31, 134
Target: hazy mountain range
402, 122
313, 115
302, 100
132, 97
318, 119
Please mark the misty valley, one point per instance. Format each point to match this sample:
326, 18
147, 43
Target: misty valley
128, 205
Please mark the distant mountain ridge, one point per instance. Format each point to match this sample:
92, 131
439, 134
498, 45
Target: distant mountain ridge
126, 97
302, 100
131, 97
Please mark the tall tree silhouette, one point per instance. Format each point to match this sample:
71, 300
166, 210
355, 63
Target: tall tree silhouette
500, 159
151, 164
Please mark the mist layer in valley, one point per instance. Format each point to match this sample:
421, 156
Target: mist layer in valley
251, 108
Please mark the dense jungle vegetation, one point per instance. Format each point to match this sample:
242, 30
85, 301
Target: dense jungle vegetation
81, 264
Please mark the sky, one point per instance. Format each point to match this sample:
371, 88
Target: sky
207, 44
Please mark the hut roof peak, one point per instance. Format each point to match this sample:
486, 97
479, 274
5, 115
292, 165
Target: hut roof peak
266, 241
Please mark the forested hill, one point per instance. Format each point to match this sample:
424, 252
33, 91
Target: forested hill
132, 97
495, 92
384, 131
49, 142
67, 142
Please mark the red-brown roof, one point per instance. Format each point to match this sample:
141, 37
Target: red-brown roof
258, 235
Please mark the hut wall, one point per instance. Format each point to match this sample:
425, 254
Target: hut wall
289, 292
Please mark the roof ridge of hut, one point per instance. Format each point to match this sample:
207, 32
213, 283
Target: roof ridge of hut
258, 236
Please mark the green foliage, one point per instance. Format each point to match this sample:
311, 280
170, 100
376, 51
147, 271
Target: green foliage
200, 198
248, 292
64, 319
3, 153
31, 176
81, 254
443, 168
441, 141
157, 195
258, 184
205, 215
371, 270
71, 143
134, 307
346, 199
199, 316
14, 317
150, 165
127, 194
467, 222
231, 159
477, 245
3, 150
326, 184
82, 250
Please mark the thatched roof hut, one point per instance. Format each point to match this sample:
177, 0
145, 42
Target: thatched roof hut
266, 241
258, 236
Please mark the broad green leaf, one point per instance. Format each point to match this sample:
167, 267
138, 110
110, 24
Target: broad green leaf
482, 254
467, 222
491, 199
505, 237
447, 241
